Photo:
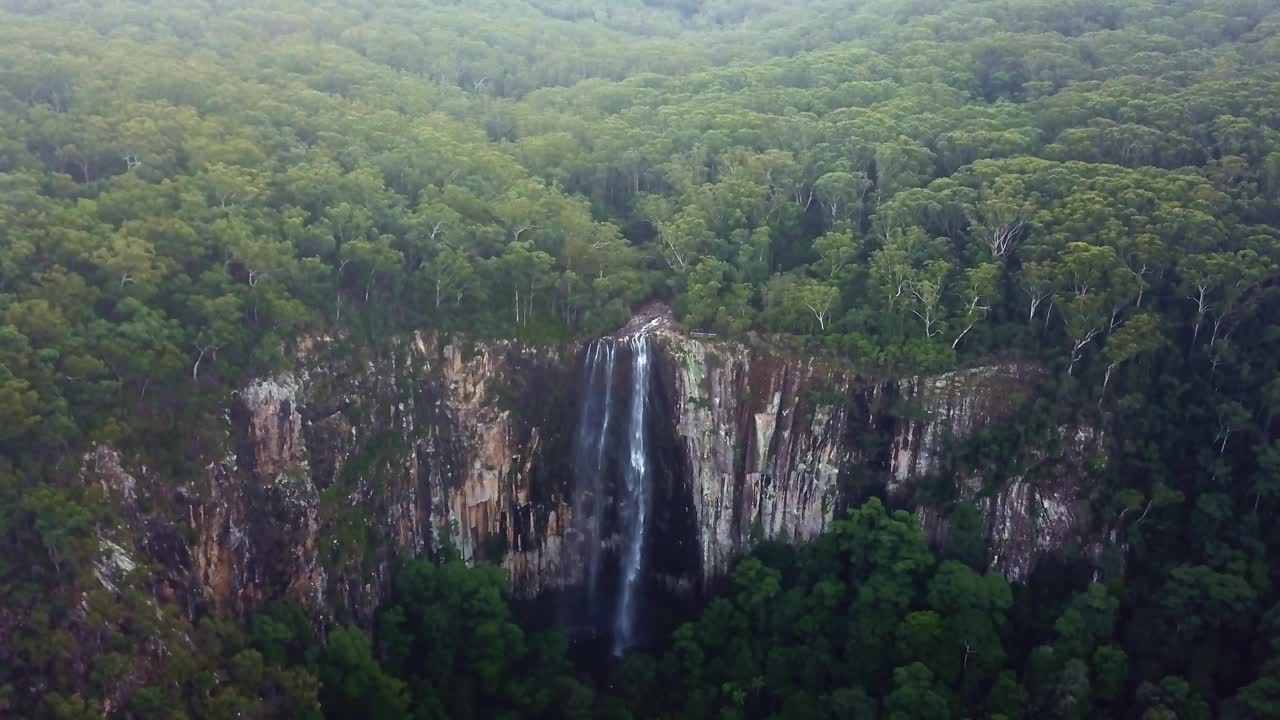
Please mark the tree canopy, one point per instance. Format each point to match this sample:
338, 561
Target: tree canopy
188, 191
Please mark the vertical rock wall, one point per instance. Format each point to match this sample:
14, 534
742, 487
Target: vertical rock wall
331, 472
776, 445
764, 443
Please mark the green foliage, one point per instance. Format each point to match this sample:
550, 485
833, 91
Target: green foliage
814, 633
914, 696
282, 632
352, 682
189, 193
450, 635
966, 536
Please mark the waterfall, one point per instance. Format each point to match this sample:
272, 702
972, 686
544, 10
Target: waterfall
590, 457
612, 485
633, 506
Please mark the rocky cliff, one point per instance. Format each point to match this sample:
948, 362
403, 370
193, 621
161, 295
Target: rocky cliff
330, 472
776, 446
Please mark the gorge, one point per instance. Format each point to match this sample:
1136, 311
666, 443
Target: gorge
638, 359
632, 467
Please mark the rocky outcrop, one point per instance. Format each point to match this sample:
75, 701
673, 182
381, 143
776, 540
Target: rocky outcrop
330, 472
1042, 510
932, 413
1034, 507
763, 450
777, 445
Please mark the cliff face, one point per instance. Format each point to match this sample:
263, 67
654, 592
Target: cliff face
763, 447
330, 472
776, 446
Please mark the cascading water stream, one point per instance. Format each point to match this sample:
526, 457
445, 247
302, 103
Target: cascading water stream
590, 456
612, 491
633, 507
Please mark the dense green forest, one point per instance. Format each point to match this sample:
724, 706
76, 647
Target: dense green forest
187, 188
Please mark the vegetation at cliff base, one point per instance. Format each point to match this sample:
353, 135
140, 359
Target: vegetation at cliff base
865, 622
191, 190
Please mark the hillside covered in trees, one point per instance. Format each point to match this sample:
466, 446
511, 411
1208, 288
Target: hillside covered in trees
188, 190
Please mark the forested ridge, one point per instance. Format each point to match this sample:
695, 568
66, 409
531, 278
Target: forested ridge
188, 190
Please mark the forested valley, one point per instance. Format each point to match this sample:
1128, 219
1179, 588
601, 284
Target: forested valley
190, 190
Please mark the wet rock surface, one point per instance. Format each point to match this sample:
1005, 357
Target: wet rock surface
331, 472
